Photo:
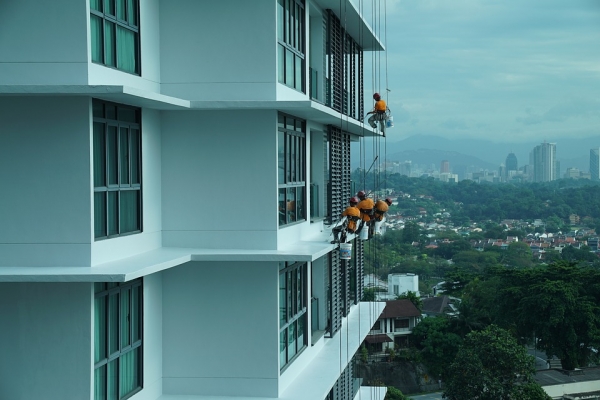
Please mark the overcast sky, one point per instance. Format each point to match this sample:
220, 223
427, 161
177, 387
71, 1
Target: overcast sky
506, 70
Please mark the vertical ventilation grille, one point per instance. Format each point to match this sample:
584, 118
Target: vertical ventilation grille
339, 173
345, 70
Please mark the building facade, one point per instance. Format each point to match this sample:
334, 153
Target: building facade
170, 175
595, 164
545, 165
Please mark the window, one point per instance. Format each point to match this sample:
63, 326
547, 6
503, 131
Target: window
292, 311
115, 34
401, 324
291, 169
117, 170
290, 36
117, 339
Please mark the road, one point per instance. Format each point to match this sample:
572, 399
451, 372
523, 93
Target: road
428, 396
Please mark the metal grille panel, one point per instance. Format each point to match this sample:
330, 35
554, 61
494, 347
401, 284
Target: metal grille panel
335, 309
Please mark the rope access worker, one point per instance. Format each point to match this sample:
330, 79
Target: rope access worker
379, 113
381, 207
365, 206
352, 214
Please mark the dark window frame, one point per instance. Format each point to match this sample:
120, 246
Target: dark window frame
291, 44
292, 184
120, 120
295, 309
131, 23
106, 290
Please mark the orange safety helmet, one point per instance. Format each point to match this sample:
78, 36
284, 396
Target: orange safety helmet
353, 199
376, 96
388, 201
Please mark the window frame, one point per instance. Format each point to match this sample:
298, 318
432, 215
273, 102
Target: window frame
295, 276
116, 121
106, 290
291, 170
130, 23
291, 48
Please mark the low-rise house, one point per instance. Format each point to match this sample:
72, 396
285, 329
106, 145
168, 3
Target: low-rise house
395, 323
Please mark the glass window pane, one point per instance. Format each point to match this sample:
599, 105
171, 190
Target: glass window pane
124, 156
280, 157
111, 111
300, 196
96, 39
136, 312
282, 348
135, 157
282, 207
280, 15
121, 9
125, 318
280, 64
128, 115
99, 328
99, 287
113, 214
282, 301
100, 383
113, 384
96, 5
129, 211
113, 323
292, 340
129, 372
301, 326
109, 43
288, 159
99, 155
99, 214
126, 50
291, 204
299, 76
131, 12
289, 68
113, 166
109, 7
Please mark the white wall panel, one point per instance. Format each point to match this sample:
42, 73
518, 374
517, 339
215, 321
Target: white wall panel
220, 329
54, 52
225, 51
45, 169
219, 179
46, 341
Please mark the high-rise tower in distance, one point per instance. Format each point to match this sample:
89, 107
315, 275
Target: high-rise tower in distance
595, 164
544, 162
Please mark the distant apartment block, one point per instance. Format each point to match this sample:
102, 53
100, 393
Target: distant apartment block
595, 164
543, 160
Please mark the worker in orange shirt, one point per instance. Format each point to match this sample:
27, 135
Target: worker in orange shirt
381, 207
352, 214
378, 113
365, 206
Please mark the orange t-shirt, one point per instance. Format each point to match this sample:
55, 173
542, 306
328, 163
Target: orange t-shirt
380, 106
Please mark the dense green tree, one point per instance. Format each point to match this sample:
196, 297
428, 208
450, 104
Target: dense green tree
411, 232
518, 254
437, 344
489, 365
558, 305
394, 394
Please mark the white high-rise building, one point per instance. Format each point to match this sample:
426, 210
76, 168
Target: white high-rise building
172, 170
595, 164
545, 165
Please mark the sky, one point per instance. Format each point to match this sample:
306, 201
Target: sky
508, 71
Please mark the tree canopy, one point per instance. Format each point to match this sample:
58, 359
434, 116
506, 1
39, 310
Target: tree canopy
491, 365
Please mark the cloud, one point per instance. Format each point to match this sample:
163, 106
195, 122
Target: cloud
572, 108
